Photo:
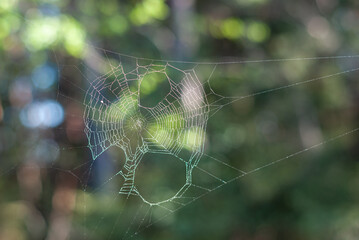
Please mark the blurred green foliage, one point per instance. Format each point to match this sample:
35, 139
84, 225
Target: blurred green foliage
314, 195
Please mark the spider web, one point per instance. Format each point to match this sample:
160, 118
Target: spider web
170, 124
176, 125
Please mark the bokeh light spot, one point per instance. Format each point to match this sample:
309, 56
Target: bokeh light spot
44, 114
148, 10
44, 76
232, 28
258, 32
41, 33
74, 37
117, 24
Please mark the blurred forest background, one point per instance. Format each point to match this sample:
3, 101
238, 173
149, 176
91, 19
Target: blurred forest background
46, 191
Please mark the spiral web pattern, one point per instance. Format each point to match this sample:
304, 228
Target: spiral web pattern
176, 125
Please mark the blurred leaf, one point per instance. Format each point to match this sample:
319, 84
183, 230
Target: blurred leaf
257, 31
148, 10
232, 28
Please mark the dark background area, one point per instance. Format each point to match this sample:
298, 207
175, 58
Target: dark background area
51, 189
